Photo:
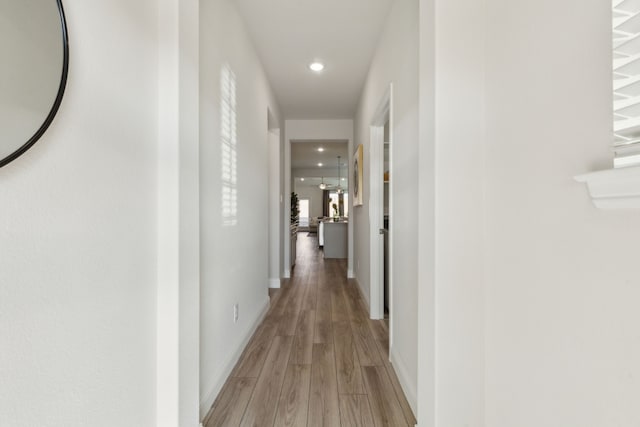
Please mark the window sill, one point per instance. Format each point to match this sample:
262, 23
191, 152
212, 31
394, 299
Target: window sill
614, 188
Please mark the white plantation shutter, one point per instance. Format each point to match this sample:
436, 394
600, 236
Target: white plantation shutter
626, 82
228, 146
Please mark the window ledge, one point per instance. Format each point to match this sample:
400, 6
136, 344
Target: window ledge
614, 188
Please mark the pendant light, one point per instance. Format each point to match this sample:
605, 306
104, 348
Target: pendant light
322, 185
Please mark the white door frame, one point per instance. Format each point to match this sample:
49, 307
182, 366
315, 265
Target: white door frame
275, 207
376, 219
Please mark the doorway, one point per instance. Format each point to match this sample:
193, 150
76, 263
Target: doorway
386, 182
303, 207
381, 211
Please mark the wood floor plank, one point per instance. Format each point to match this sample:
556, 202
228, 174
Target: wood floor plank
294, 399
229, 408
323, 299
323, 331
368, 354
404, 403
310, 297
385, 407
321, 273
303, 340
274, 296
352, 299
367, 348
378, 329
339, 311
354, 309
373, 345
347, 364
383, 349
253, 358
323, 399
331, 273
281, 302
290, 314
317, 317
262, 407
355, 411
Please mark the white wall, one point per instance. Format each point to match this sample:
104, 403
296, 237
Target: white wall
451, 377
178, 244
426, 378
459, 212
532, 293
396, 60
562, 277
78, 233
226, 251
307, 130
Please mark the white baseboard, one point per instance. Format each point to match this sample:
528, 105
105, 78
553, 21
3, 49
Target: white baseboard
407, 386
274, 283
350, 274
364, 297
210, 397
287, 274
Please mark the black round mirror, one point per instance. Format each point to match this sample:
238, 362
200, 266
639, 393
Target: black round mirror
33, 76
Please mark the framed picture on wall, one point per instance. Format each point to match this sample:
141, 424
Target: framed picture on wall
357, 177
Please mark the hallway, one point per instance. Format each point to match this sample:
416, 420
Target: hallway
316, 359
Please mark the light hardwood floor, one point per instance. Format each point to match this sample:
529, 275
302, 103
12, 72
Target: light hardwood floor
316, 359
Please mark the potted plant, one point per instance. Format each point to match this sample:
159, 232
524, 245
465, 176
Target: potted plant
295, 209
336, 215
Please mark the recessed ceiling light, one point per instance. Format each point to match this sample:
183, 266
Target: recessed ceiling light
320, 149
319, 165
316, 66
301, 179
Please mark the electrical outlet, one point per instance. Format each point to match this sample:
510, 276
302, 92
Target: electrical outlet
235, 313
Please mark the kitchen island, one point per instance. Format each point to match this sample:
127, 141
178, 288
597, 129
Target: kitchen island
333, 236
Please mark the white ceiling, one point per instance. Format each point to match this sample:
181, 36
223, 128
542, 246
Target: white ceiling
305, 158
290, 34
305, 155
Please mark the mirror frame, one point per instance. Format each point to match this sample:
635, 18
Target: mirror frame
58, 100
